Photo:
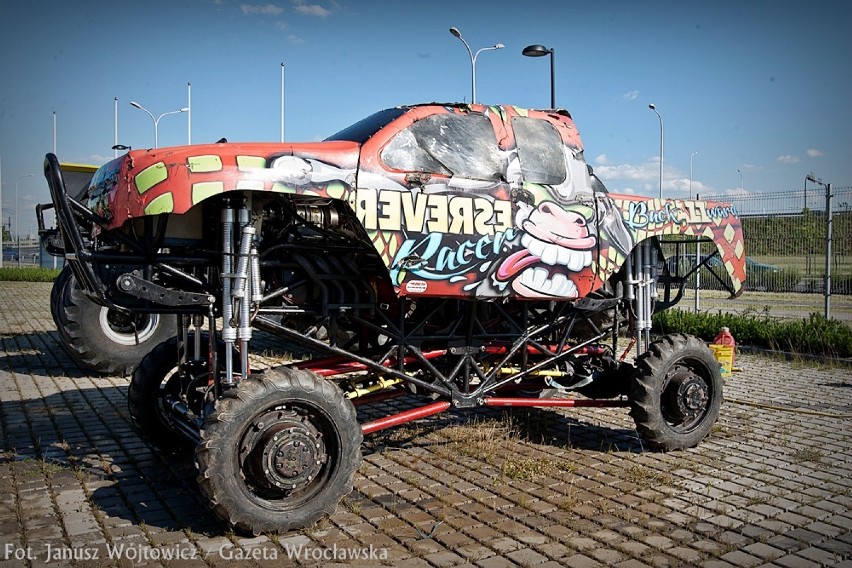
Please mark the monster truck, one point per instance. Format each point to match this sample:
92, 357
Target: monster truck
459, 255
98, 338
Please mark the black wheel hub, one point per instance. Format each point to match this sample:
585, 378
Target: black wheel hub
188, 387
284, 452
126, 323
685, 397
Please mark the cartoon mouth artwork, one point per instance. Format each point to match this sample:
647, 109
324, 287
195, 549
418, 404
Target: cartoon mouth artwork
555, 241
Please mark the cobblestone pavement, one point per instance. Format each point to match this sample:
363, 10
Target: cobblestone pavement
771, 486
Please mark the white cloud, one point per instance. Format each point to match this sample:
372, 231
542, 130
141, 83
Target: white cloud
788, 159
266, 9
630, 95
644, 178
98, 159
295, 40
624, 172
814, 153
311, 9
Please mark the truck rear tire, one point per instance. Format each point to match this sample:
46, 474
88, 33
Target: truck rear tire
279, 451
676, 393
103, 340
160, 381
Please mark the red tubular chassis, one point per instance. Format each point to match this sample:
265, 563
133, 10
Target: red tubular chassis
400, 277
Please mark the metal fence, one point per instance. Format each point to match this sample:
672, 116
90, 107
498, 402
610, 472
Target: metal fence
793, 241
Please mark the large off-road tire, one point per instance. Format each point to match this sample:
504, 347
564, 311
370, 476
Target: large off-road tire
156, 383
279, 451
103, 340
676, 393
59, 286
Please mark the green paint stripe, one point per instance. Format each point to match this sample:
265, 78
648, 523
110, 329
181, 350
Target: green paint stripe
202, 164
203, 190
151, 176
163, 204
250, 162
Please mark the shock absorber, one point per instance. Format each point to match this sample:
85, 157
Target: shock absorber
243, 288
229, 333
641, 289
651, 278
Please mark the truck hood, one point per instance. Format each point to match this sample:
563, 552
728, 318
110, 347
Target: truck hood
174, 179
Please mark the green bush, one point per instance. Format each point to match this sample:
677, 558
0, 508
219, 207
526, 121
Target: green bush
28, 274
814, 335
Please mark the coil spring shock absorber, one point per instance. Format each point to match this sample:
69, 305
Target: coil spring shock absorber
243, 288
641, 289
229, 333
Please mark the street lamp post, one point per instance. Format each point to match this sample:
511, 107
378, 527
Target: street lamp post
282, 101
690, 172
828, 223
653, 107
539, 51
697, 245
17, 215
742, 185
457, 33
157, 119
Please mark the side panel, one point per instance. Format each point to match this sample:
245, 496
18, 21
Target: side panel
444, 236
718, 222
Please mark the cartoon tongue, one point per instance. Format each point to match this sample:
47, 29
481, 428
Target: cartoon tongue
515, 263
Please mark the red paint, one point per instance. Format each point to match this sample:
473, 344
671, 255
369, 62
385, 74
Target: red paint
405, 417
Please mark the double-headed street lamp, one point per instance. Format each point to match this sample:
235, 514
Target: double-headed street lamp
540, 51
653, 107
157, 119
457, 33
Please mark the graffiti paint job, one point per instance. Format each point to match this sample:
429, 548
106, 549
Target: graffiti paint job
457, 200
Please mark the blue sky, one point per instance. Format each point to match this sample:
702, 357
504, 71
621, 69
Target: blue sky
759, 87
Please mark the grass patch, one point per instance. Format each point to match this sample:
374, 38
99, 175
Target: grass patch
28, 274
526, 469
814, 335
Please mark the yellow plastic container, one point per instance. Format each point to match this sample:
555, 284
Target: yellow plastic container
725, 356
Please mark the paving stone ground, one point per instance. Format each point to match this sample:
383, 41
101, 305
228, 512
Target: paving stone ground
771, 486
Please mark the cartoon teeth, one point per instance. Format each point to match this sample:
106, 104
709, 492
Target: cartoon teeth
553, 254
538, 279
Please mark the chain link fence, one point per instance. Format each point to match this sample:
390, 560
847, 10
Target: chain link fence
787, 256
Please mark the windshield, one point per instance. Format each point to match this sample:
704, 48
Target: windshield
362, 130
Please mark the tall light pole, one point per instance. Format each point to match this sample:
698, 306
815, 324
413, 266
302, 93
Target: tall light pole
115, 129
697, 244
653, 107
828, 223
188, 113
17, 215
457, 33
157, 119
282, 101
539, 51
690, 172
742, 186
